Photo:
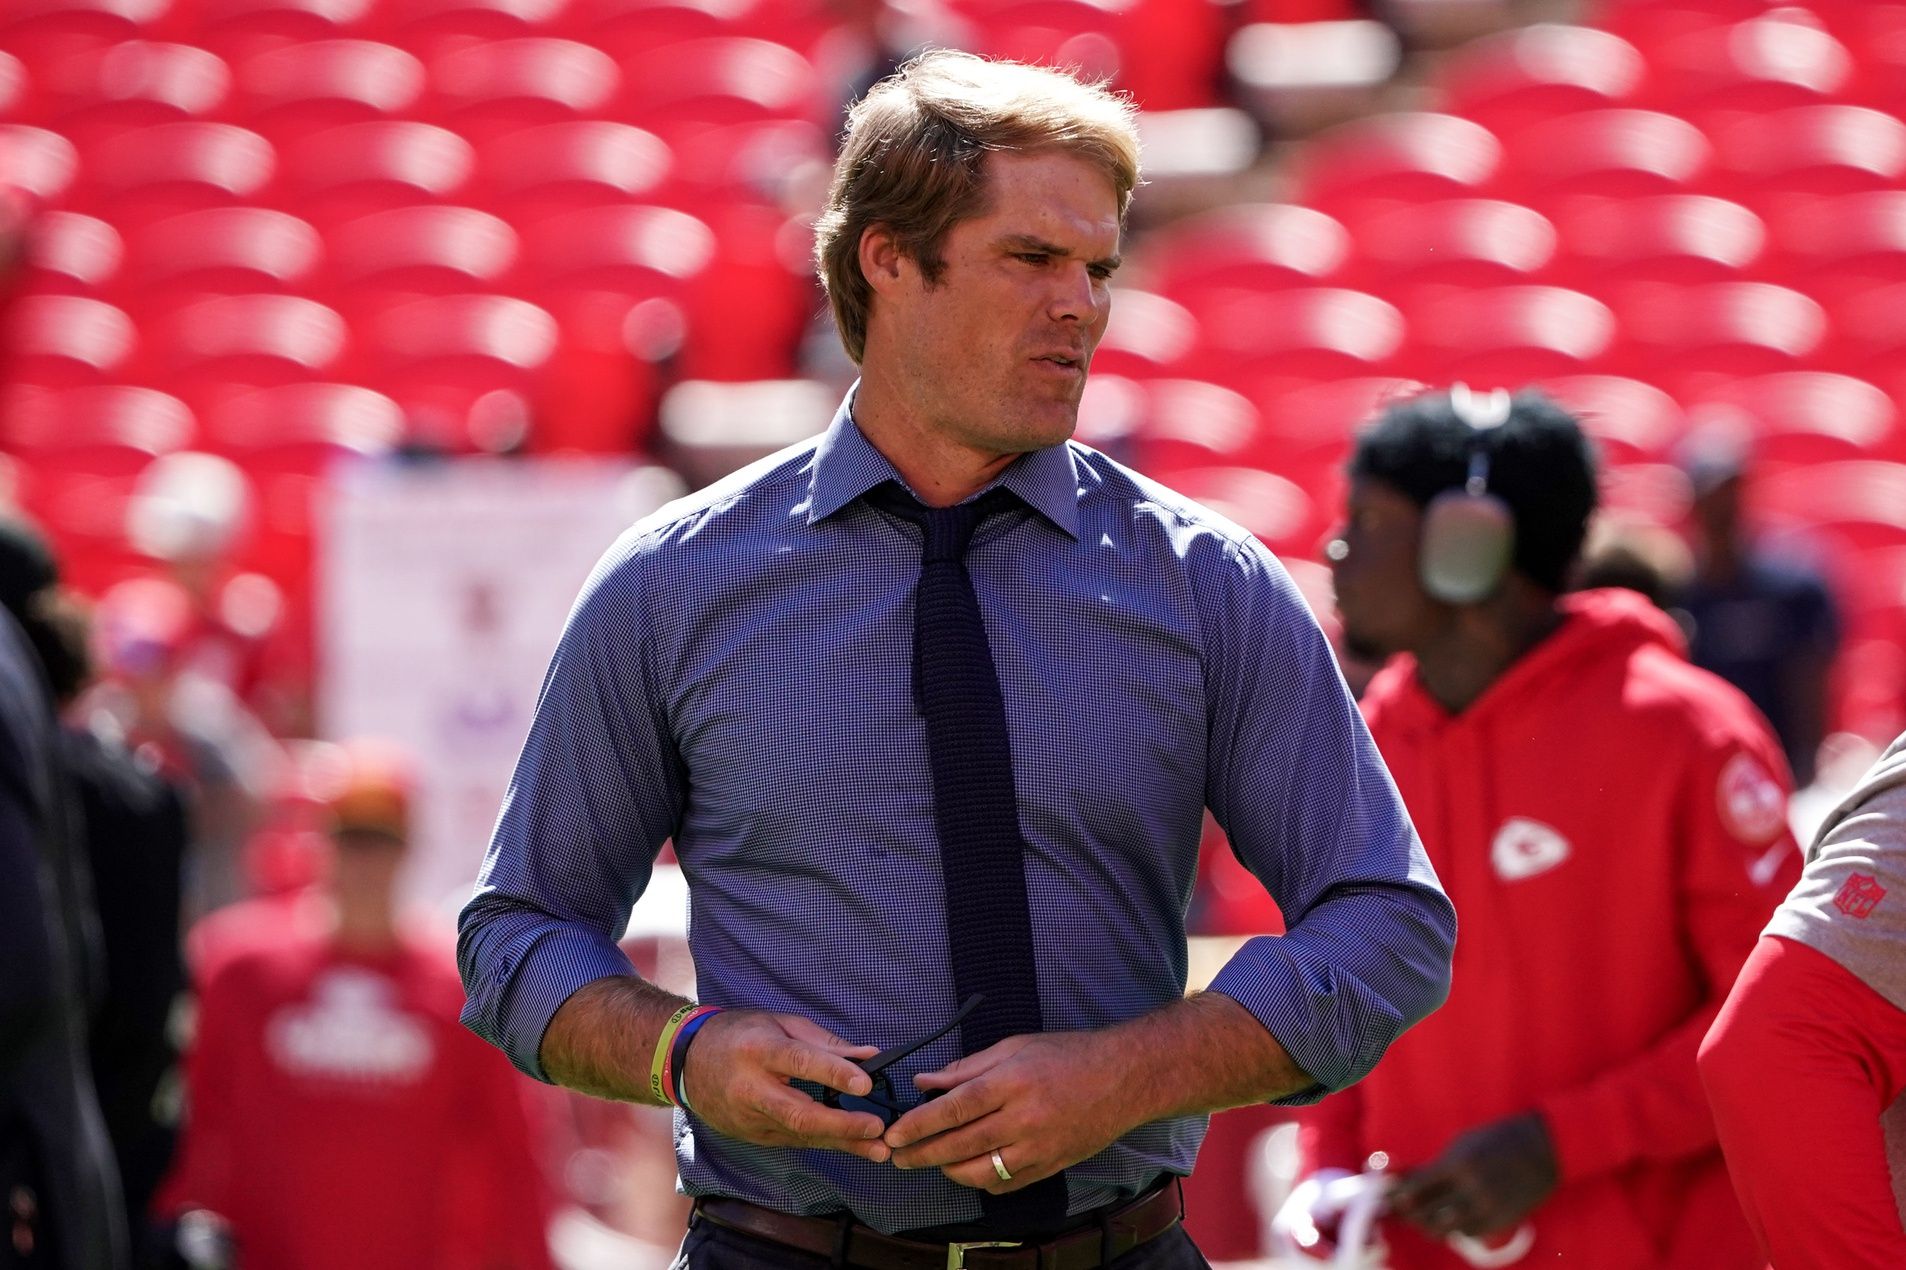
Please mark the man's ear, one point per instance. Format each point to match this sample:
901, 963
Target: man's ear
881, 260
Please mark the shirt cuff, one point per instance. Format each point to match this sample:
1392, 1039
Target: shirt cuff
534, 972
1332, 1026
1584, 1129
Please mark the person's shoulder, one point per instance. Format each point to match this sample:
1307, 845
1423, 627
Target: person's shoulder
1110, 489
1683, 697
751, 499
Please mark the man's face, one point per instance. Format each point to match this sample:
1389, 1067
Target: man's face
993, 355
1384, 607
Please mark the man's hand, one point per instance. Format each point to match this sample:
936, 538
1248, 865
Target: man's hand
738, 1072
1485, 1181
1043, 1102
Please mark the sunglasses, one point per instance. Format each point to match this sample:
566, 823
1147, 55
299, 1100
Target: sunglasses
880, 1100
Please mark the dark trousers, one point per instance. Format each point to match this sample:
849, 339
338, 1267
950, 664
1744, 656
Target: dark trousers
712, 1247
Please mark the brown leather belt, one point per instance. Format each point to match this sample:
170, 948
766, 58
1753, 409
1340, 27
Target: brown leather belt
850, 1243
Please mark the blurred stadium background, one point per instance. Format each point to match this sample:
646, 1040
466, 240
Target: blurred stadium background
449, 291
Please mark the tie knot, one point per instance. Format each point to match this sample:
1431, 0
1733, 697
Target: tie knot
947, 531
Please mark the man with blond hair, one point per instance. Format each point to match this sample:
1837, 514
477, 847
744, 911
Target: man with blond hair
932, 707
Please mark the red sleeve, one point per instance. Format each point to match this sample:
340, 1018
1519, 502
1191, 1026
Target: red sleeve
1330, 1133
1799, 1066
1737, 860
499, 1198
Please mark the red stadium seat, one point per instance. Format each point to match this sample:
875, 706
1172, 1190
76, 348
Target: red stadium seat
237, 28
1190, 423
1261, 246
304, 427
1686, 338
1306, 433
431, 26
70, 252
750, 308
305, 88
83, 509
16, 89
1853, 507
440, 357
1609, 153
726, 80
1506, 336
716, 163
570, 166
156, 172
1450, 243
1869, 328
1646, 493
112, 428
1814, 150
41, 31
635, 250
1400, 158
37, 163
1270, 506
1679, 238
1631, 422
373, 167
213, 348
1149, 336
65, 341
135, 84
1772, 61
1810, 416
1509, 81
489, 89
1254, 340
424, 250
1841, 246
628, 28
226, 249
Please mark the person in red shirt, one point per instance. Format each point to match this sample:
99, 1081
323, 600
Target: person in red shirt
338, 1113
1806, 1065
1610, 822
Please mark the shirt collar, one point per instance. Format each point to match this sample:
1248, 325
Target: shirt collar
846, 465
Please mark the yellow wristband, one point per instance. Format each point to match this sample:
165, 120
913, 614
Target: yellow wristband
656, 1084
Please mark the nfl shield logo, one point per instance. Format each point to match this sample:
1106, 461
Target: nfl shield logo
1859, 896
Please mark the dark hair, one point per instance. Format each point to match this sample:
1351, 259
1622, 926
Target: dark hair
1540, 464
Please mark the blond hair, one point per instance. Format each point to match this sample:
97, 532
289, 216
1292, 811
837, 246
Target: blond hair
912, 160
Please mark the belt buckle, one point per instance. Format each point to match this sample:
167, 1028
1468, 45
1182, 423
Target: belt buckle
956, 1252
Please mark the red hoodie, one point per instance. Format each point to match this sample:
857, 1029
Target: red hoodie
1610, 822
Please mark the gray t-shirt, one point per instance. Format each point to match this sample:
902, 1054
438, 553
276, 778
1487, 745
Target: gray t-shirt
1850, 904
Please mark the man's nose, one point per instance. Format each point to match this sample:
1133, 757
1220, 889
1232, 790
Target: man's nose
1077, 296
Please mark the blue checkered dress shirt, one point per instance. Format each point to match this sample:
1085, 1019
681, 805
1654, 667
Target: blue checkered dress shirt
736, 675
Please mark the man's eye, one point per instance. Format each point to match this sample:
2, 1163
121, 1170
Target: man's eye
1101, 272
1034, 257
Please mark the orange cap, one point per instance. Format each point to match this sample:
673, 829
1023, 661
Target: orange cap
370, 788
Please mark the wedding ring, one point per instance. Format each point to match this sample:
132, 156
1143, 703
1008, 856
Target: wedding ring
999, 1167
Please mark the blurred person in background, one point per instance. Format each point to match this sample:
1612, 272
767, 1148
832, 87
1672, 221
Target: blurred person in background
1806, 1064
189, 727
338, 1115
1610, 823
909, 761
132, 826
1766, 623
60, 1201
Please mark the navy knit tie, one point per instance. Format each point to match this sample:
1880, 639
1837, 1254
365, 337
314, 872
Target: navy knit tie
975, 806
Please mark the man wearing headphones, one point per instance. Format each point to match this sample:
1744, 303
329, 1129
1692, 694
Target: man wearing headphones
1609, 821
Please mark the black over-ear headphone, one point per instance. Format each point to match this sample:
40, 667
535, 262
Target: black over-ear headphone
1468, 533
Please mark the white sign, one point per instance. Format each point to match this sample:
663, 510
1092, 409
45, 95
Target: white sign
442, 590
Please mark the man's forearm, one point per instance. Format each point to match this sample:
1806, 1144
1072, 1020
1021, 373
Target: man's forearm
602, 1039
1202, 1054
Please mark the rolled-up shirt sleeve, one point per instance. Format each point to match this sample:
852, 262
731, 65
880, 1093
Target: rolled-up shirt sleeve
597, 791
1310, 809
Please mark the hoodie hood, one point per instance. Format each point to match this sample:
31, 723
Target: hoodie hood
1597, 626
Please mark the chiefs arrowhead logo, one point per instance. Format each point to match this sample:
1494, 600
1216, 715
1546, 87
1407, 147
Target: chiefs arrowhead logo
1524, 848
1752, 804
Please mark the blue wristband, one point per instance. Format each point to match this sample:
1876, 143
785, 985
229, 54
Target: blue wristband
679, 1053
